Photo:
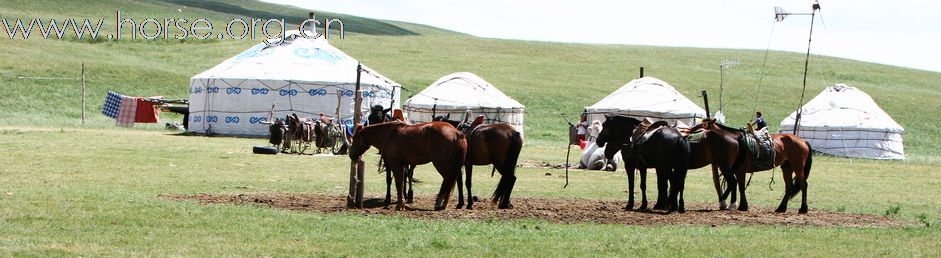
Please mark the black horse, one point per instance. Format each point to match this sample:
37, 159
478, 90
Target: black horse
662, 147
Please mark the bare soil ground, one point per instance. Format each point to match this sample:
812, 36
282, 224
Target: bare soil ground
554, 210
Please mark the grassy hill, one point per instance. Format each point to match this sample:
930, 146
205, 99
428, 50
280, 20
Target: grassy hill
549, 78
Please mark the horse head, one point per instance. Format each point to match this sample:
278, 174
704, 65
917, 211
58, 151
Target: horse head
359, 145
617, 130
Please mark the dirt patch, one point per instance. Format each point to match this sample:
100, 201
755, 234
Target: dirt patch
554, 210
539, 164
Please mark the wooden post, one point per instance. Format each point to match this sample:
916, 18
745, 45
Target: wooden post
641, 72
339, 103
83, 94
705, 100
357, 167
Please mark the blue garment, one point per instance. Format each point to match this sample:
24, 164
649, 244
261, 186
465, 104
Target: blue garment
760, 123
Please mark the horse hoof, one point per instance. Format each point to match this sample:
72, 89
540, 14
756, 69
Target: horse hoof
742, 208
643, 207
732, 206
629, 207
802, 211
460, 205
723, 206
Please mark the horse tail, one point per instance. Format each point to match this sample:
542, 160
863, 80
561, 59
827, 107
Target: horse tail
809, 162
505, 187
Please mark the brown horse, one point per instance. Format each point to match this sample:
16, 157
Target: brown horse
497, 144
401, 145
791, 153
721, 150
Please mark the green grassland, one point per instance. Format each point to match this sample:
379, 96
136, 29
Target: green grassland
93, 191
76, 192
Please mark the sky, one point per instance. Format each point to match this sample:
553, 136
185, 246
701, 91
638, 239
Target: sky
899, 33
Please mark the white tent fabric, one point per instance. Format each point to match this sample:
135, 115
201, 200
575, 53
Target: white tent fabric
845, 121
299, 75
457, 92
647, 97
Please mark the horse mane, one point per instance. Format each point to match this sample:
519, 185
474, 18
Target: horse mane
727, 128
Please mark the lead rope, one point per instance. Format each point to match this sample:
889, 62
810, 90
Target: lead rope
772, 180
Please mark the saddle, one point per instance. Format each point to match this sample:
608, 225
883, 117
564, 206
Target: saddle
308, 134
327, 133
760, 145
645, 129
468, 128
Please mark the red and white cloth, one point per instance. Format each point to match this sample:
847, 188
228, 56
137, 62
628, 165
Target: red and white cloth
127, 113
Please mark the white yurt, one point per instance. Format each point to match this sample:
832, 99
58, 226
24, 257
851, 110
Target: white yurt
845, 121
303, 75
647, 97
457, 92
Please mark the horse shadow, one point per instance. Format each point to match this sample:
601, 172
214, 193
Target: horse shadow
374, 203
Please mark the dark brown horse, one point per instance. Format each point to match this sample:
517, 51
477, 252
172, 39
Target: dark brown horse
665, 149
497, 144
401, 145
791, 153
276, 133
706, 148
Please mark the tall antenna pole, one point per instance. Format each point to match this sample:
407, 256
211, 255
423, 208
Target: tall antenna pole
800, 105
779, 16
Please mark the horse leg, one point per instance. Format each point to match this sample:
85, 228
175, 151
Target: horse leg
740, 176
630, 188
718, 185
662, 184
507, 180
409, 196
460, 193
388, 186
730, 190
449, 173
672, 190
470, 196
399, 184
803, 182
643, 189
679, 173
786, 172
501, 196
